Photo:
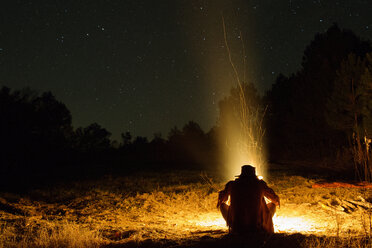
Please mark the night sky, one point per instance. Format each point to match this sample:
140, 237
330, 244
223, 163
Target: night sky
146, 66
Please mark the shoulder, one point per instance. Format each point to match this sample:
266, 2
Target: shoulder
229, 184
262, 183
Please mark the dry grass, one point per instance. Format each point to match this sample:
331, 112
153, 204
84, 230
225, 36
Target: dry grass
330, 242
175, 209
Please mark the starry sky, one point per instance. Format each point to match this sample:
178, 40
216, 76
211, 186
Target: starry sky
146, 66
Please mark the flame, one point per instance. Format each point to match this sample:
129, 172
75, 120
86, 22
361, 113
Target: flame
228, 201
293, 224
282, 224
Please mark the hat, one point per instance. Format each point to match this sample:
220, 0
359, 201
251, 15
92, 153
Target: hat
247, 171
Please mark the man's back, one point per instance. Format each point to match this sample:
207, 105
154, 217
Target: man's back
246, 206
248, 211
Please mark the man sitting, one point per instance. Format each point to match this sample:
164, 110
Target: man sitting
248, 211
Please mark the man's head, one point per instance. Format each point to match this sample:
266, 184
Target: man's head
248, 171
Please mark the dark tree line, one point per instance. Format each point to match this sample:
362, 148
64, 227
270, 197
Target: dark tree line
38, 142
39, 145
314, 112
189, 147
33, 129
310, 114
320, 114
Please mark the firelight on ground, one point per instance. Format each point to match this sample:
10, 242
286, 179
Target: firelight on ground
282, 224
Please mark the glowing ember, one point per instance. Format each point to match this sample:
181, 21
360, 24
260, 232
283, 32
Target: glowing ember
228, 201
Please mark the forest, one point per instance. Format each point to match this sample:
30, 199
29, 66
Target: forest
320, 114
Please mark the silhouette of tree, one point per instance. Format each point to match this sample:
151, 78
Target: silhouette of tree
33, 124
52, 123
297, 117
126, 138
174, 135
350, 106
366, 81
157, 139
140, 141
195, 143
322, 59
189, 146
158, 149
35, 133
92, 138
192, 131
230, 107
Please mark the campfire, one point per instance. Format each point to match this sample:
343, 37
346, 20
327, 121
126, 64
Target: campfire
282, 224
301, 217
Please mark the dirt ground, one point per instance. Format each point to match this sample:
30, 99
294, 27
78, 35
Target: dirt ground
178, 209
